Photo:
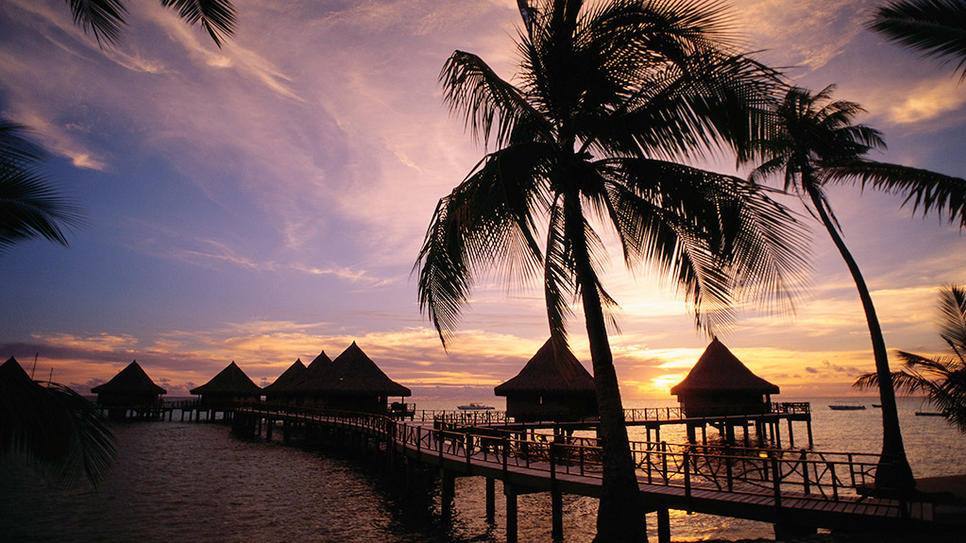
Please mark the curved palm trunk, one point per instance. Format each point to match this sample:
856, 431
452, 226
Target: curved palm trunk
620, 515
893, 471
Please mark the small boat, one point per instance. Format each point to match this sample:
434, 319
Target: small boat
930, 414
475, 407
846, 407
878, 405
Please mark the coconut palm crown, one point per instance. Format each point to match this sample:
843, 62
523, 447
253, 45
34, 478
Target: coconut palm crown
941, 378
816, 143
609, 98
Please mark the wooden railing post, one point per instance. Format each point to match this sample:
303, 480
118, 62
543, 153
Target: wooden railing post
835, 487
581, 460
439, 441
687, 475
506, 453
419, 439
805, 482
468, 447
776, 481
664, 462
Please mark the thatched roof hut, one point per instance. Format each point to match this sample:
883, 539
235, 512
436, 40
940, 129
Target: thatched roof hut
553, 385
131, 382
354, 373
719, 384
230, 385
283, 384
350, 382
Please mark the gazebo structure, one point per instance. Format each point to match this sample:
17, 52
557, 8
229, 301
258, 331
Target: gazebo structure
130, 391
552, 386
227, 389
281, 389
720, 385
353, 382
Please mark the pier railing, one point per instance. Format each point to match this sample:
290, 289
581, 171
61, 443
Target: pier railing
644, 414
778, 473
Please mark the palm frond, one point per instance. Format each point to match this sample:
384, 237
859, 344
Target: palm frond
101, 18
952, 326
30, 207
487, 222
486, 102
558, 273
217, 17
927, 191
718, 235
16, 149
936, 28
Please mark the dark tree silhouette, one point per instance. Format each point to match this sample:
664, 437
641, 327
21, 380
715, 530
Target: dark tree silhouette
29, 206
815, 143
936, 28
52, 427
609, 96
942, 378
104, 19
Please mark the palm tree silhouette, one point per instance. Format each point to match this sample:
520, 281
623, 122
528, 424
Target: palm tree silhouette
104, 18
937, 28
815, 143
942, 378
52, 427
608, 97
29, 206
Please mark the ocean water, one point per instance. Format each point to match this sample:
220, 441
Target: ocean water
196, 482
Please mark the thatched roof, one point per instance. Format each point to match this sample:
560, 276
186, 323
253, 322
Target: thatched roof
231, 380
314, 377
130, 380
553, 370
287, 378
353, 372
13, 374
718, 370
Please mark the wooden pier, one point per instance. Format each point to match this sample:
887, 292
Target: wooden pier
797, 490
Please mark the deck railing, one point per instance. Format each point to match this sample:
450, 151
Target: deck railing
799, 474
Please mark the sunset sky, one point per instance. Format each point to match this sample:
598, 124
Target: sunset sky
266, 201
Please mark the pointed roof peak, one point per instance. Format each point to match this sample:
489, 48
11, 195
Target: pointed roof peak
231, 380
553, 369
130, 380
718, 369
288, 378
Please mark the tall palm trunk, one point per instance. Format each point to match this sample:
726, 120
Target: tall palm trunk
620, 515
893, 471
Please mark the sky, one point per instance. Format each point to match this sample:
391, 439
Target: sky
266, 201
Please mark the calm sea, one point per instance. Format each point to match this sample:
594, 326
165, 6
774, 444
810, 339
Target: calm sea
196, 482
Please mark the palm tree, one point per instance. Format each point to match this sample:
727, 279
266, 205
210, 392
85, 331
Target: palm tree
608, 96
29, 206
52, 427
942, 378
937, 28
815, 143
104, 18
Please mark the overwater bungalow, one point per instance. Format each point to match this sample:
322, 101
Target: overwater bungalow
720, 385
353, 382
280, 390
552, 386
131, 390
230, 387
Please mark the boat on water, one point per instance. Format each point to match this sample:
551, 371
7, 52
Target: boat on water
846, 407
879, 405
473, 406
929, 414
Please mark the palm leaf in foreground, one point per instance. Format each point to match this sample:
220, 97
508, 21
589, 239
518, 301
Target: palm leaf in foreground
937, 28
52, 427
104, 19
942, 379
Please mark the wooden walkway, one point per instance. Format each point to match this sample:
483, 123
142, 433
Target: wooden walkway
797, 490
